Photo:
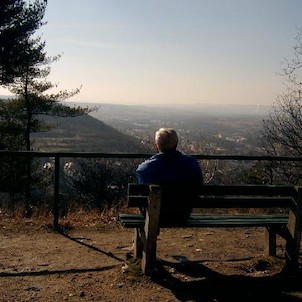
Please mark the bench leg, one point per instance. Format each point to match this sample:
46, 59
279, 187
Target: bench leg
270, 241
145, 245
150, 246
294, 228
292, 254
293, 241
151, 230
138, 242
149, 256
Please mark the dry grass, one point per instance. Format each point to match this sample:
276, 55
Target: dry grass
75, 218
83, 217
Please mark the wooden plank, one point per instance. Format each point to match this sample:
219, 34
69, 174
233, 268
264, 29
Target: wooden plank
243, 202
218, 221
294, 227
216, 190
263, 190
151, 230
224, 202
122, 216
213, 224
138, 189
277, 216
194, 216
132, 223
236, 221
136, 201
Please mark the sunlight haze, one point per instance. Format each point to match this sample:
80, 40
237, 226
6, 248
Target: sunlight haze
171, 51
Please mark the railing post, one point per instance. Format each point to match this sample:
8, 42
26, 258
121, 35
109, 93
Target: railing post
56, 193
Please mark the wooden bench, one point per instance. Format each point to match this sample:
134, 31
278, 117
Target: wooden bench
285, 221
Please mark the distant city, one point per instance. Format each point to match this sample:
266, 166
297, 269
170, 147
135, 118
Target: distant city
203, 128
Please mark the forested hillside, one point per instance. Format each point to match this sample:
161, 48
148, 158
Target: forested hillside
84, 133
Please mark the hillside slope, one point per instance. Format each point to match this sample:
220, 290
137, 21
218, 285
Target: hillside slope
84, 134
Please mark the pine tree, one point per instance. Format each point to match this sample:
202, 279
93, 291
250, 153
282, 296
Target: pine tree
24, 68
18, 22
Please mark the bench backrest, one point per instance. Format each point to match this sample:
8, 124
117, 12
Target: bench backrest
227, 196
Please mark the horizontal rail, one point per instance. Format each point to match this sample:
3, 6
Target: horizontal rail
144, 155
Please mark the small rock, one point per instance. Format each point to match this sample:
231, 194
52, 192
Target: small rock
208, 233
33, 288
125, 268
82, 294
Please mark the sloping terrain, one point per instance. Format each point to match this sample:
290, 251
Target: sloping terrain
84, 134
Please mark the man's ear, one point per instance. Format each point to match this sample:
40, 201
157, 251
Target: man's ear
156, 147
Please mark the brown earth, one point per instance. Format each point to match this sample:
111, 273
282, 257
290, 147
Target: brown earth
87, 263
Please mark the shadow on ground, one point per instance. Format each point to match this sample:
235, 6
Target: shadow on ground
209, 285
78, 240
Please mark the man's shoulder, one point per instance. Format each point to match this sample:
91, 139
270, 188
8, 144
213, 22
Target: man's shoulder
150, 161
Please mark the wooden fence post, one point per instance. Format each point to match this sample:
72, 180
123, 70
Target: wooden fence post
56, 193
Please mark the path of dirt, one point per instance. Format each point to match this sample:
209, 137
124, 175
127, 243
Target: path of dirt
86, 264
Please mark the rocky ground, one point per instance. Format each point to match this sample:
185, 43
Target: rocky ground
92, 262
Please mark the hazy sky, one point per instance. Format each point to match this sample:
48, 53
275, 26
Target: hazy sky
171, 51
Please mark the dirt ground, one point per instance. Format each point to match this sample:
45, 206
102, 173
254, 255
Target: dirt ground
93, 263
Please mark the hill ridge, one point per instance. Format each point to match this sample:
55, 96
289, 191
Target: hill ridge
84, 134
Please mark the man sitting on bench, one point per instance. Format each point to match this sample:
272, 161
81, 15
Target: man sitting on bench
176, 172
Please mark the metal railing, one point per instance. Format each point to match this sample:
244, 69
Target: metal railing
58, 155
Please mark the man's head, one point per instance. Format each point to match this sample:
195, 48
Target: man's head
166, 139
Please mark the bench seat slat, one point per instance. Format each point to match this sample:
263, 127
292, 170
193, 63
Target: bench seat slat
137, 220
240, 216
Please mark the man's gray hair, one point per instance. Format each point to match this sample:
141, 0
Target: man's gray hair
166, 139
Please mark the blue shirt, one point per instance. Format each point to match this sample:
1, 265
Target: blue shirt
169, 168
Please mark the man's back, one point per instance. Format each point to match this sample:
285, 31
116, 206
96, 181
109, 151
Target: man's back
180, 176
169, 168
